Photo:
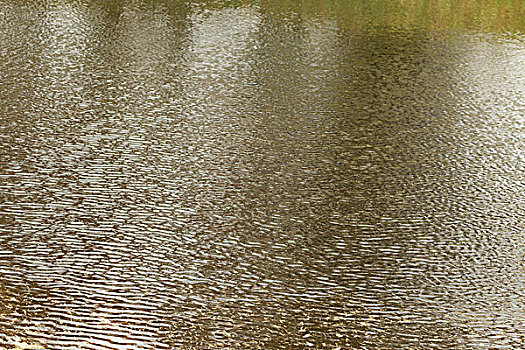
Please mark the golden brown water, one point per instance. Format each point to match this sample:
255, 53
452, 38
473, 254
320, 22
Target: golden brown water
269, 175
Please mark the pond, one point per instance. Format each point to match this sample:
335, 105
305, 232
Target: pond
262, 175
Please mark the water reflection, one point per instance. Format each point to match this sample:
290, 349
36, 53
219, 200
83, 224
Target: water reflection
196, 175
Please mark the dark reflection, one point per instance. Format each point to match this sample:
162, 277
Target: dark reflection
183, 175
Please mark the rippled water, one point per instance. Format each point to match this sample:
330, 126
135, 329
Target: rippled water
206, 176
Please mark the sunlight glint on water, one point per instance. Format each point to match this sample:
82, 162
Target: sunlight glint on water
262, 176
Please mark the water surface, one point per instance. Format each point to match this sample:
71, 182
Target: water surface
267, 175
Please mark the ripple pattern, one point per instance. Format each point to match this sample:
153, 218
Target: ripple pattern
195, 176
